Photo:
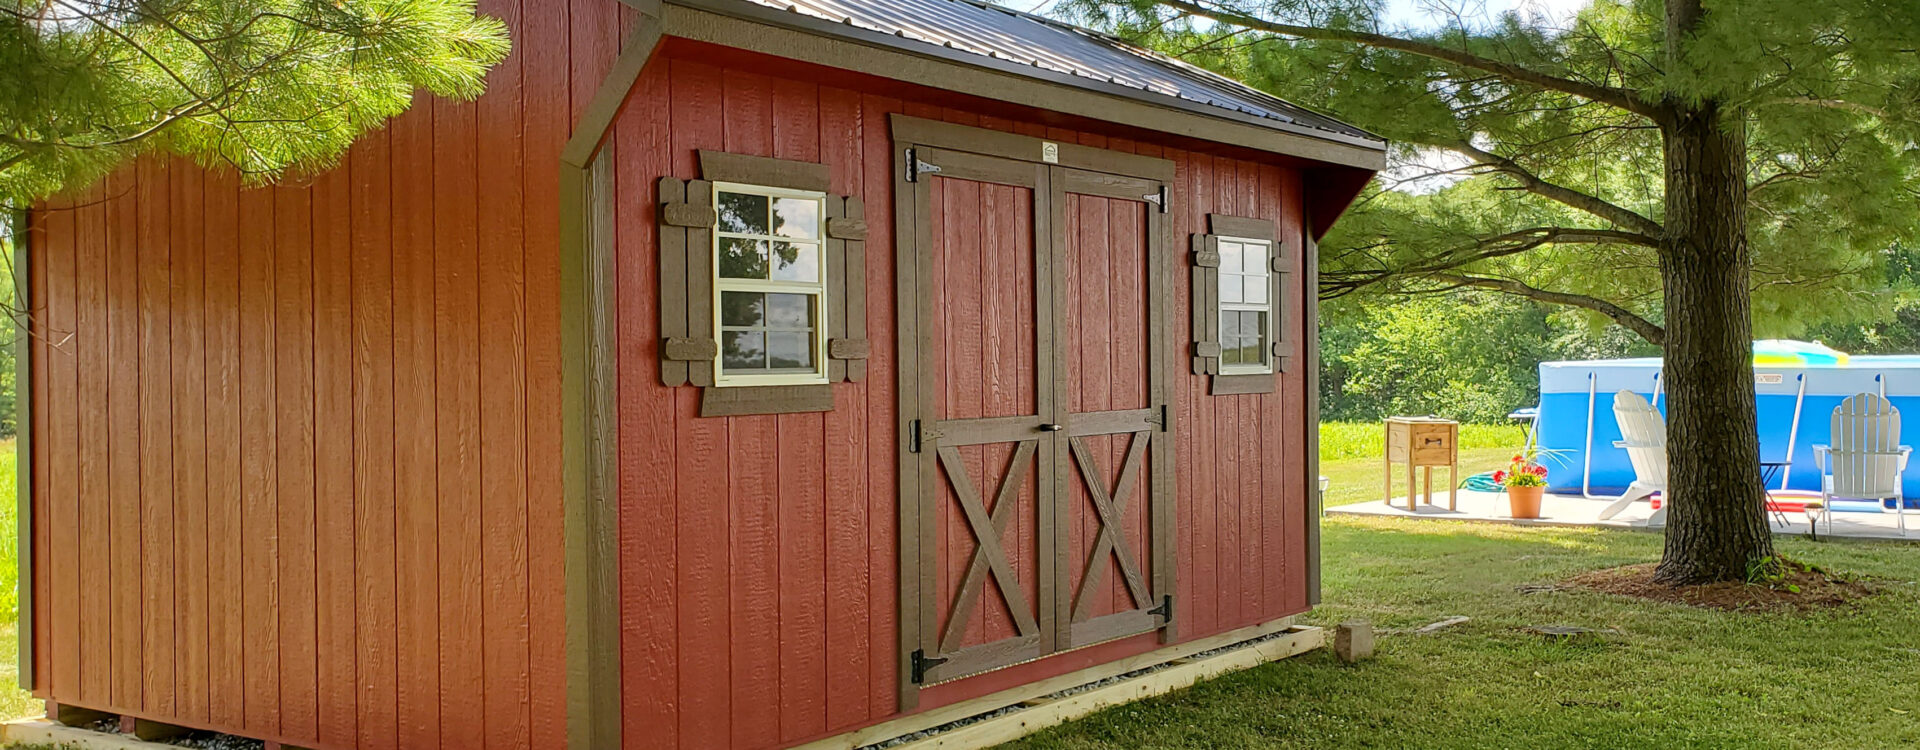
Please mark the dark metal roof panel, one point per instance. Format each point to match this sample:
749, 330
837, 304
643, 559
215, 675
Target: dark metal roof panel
1004, 34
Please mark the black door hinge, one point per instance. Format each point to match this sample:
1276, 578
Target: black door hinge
1165, 610
922, 663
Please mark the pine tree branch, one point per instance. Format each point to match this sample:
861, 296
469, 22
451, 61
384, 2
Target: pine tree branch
1626, 318
1334, 283
1532, 183
1616, 97
1840, 104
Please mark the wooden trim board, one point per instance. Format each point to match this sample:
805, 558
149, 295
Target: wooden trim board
1309, 638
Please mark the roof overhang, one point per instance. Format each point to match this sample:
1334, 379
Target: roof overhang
747, 25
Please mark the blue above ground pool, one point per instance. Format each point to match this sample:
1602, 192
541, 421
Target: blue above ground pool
1571, 392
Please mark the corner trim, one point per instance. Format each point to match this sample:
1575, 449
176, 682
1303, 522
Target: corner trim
1310, 360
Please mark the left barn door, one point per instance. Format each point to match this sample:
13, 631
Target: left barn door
980, 452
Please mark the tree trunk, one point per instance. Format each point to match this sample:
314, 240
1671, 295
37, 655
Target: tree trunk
1716, 522
1716, 517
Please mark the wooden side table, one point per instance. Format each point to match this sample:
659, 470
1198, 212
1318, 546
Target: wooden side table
1424, 442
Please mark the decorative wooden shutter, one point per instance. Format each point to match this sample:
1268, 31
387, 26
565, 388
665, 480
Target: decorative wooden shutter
847, 345
1281, 282
687, 219
1206, 302
688, 349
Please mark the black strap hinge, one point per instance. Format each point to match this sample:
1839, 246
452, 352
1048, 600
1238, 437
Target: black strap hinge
922, 663
1165, 610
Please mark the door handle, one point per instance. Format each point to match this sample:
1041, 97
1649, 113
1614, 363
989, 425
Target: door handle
1051, 427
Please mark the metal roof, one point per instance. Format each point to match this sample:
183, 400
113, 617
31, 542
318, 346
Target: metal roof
1010, 36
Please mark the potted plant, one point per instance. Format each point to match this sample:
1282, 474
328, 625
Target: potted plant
1525, 480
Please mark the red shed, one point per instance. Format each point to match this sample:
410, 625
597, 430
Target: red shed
732, 374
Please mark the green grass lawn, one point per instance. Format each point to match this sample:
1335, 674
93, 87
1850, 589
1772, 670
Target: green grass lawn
1350, 458
14, 702
1674, 676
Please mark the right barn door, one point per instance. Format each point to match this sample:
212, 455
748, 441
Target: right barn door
1113, 529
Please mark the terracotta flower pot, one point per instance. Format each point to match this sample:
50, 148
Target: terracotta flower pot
1525, 501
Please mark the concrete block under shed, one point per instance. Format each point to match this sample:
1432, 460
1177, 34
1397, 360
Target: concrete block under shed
1353, 640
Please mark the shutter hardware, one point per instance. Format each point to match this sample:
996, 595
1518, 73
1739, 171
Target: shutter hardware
1165, 610
922, 663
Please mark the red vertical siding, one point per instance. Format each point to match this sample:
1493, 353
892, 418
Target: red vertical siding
298, 459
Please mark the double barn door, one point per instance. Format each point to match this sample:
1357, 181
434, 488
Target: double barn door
1037, 464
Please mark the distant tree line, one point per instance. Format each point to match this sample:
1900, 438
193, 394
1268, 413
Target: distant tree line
1474, 355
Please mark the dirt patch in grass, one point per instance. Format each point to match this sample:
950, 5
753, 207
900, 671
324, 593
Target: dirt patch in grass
1798, 590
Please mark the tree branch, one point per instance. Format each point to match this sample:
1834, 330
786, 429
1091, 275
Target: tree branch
1644, 328
1591, 204
1616, 97
1807, 101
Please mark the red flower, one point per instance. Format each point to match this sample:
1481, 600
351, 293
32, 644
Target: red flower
1517, 459
1499, 476
1539, 471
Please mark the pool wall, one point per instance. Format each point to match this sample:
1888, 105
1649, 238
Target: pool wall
1562, 425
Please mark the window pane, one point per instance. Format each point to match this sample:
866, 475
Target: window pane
790, 349
1229, 354
790, 311
743, 214
1256, 289
796, 217
742, 259
743, 350
796, 262
1230, 253
1246, 351
1229, 326
743, 309
1255, 324
1255, 259
1229, 287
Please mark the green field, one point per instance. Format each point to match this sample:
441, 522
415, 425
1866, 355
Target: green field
1350, 458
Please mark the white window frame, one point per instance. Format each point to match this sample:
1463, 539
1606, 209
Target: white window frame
1264, 273
817, 288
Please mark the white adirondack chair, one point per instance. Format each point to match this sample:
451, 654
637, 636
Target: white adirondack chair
1645, 440
1866, 458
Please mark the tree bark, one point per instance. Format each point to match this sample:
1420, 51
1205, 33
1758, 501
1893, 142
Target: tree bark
1716, 518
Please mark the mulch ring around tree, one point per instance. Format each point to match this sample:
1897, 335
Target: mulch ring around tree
1800, 588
